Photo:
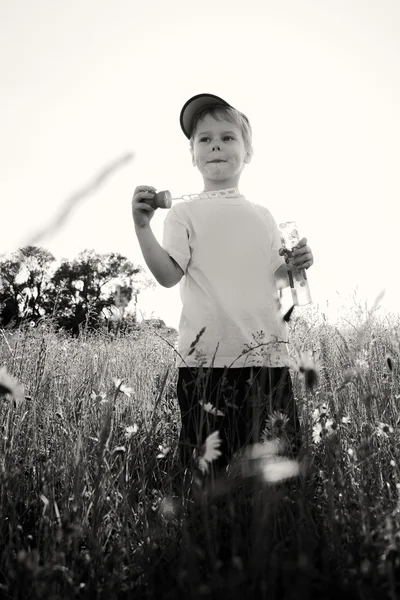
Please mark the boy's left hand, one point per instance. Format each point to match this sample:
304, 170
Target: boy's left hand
303, 257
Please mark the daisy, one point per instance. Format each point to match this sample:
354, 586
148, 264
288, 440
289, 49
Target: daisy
317, 432
277, 470
163, 451
384, 430
210, 451
120, 387
208, 407
130, 431
278, 421
99, 397
10, 385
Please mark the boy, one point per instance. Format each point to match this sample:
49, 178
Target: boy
225, 252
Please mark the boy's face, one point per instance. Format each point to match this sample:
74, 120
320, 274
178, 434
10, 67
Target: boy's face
219, 152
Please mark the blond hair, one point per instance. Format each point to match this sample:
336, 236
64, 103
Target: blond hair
230, 114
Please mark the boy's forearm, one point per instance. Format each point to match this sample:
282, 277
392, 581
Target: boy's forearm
281, 277
157, 259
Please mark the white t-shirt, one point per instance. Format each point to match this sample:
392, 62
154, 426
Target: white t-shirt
228, 250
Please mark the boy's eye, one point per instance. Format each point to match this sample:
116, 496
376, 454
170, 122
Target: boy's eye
204, 139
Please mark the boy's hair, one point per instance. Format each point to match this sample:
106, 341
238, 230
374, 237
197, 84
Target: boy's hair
230, 114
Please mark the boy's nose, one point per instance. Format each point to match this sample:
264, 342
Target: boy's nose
216, 146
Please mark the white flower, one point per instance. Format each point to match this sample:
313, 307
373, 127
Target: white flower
122, 388
99, 397
130, 431
163, 451
277, 470
276, 425
264, 449
317, 432
329, 427
361, 363
384, 430
208, 407
211, 451
11, 385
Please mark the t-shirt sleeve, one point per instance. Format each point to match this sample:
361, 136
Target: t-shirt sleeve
175, 239
276, 245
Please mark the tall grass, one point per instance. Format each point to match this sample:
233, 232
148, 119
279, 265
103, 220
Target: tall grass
89, 470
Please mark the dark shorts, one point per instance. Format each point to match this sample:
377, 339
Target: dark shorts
254, 401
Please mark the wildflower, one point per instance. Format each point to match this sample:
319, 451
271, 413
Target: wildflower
319, 412
163, 451
308, 368
384, 430
330, 427
277, 470
361, 363
98, 397
346, 420
323, 428
10, 385
317, 432
266, 448
277, 423
208, 407
130, 431
210, 451
120, 387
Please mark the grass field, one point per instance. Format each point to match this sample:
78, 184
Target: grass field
88, 466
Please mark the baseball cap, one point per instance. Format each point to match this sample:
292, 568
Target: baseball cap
193, 105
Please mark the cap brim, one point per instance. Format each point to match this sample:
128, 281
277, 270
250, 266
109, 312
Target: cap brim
193, 105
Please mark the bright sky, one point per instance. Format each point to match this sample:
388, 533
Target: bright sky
85, 81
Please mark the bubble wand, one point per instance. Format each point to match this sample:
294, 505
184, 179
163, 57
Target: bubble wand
164, 199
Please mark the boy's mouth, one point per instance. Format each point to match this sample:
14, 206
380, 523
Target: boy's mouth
216, 160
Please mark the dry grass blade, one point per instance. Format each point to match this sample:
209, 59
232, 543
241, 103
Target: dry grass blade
71, 203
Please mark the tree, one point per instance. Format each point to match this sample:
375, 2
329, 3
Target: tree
84, 290
89, 289
9, 290
24, 279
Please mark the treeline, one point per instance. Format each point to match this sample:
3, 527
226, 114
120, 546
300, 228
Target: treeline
90, 291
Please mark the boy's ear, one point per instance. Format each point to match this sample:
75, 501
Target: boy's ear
249, 155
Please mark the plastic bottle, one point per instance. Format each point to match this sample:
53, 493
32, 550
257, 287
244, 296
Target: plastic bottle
297, 277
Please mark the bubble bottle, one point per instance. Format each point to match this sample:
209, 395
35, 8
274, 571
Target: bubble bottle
297, 277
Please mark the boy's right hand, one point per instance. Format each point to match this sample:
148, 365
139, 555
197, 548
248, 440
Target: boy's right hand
142, 208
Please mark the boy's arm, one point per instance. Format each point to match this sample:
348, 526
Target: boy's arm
166, 271
281, 277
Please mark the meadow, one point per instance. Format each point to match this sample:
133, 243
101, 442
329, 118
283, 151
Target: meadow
88, 451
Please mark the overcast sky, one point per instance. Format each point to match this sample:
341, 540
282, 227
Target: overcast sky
83, 82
